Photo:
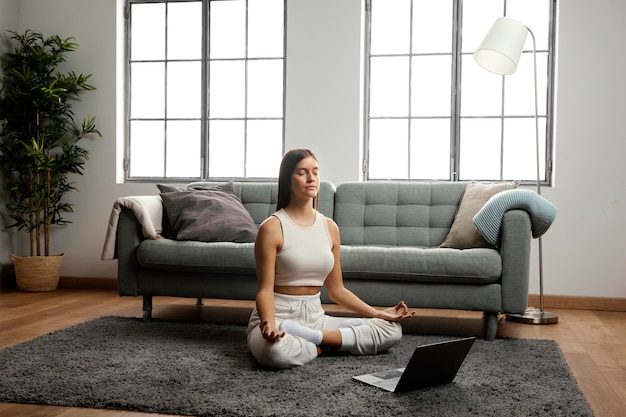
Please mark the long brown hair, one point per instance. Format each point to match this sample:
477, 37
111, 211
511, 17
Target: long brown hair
287, 168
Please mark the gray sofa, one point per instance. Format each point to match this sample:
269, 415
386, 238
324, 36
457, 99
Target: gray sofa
390, 232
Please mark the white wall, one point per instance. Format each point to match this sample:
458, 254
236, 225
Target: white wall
8, 16
323, 84
8, 21
583, 251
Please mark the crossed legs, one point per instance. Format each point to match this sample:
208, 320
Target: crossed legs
304, 321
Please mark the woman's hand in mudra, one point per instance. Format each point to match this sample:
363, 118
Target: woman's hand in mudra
270, 332
398, 312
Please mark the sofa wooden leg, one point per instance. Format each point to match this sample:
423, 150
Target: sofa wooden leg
199, 301
147, 308
491, 325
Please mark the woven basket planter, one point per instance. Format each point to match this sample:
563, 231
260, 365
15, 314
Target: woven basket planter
37, 273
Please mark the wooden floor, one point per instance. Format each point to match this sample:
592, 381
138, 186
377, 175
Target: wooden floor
593, 342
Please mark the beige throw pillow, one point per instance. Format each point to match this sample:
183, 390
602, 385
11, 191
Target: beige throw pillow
463, 233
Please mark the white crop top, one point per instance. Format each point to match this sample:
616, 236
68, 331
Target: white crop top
306, 257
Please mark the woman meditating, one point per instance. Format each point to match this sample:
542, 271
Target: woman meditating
296, 253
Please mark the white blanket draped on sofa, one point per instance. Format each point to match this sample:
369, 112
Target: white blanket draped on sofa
148, 210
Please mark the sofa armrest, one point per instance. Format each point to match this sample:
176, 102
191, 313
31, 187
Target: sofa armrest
515, 252
129, 236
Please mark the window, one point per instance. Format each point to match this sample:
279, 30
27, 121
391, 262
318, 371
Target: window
206, 89
433, 113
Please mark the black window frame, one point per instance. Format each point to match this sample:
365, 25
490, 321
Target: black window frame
456, 92
205, 114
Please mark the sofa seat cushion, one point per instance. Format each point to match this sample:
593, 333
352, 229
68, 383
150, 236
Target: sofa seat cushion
471, 266
191, 256
441, 265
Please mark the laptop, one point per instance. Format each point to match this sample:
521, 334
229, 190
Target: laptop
431, 364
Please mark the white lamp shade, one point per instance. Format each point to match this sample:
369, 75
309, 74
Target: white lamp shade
501, 49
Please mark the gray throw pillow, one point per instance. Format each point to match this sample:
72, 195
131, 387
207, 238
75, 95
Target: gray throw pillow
169, 188
208, 216
228, 187
463, 233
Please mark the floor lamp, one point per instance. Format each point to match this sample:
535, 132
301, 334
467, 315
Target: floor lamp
499, 53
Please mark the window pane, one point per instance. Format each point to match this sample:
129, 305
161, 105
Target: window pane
228, 29
389, 78
265, 148
461, 116
481, 91
147, 35
227, 89
147, 90
266, 21
478, 16
184, 90
391, 26
184, 30
430, 149
239, 132
183, 149
519, 93
520, 150
480, 147
535, 14
147, 148
430, 85
432, 26
226, 148
265, 88
388, 149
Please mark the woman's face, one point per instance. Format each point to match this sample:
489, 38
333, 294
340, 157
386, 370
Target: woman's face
305, 180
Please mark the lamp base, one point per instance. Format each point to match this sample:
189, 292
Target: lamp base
533, 316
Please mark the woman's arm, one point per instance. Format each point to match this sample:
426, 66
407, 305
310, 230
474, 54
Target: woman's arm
346, 298
266, 246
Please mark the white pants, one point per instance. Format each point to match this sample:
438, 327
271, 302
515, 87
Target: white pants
373, 336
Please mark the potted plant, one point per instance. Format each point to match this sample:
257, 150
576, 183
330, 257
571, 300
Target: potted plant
39, 146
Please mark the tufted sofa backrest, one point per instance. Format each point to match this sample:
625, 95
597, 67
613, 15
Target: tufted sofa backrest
396, 213
259, 198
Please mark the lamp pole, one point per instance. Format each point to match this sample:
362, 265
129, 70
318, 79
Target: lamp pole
531, 316
500, 53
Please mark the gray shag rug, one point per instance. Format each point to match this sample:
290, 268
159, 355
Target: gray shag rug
205, 369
